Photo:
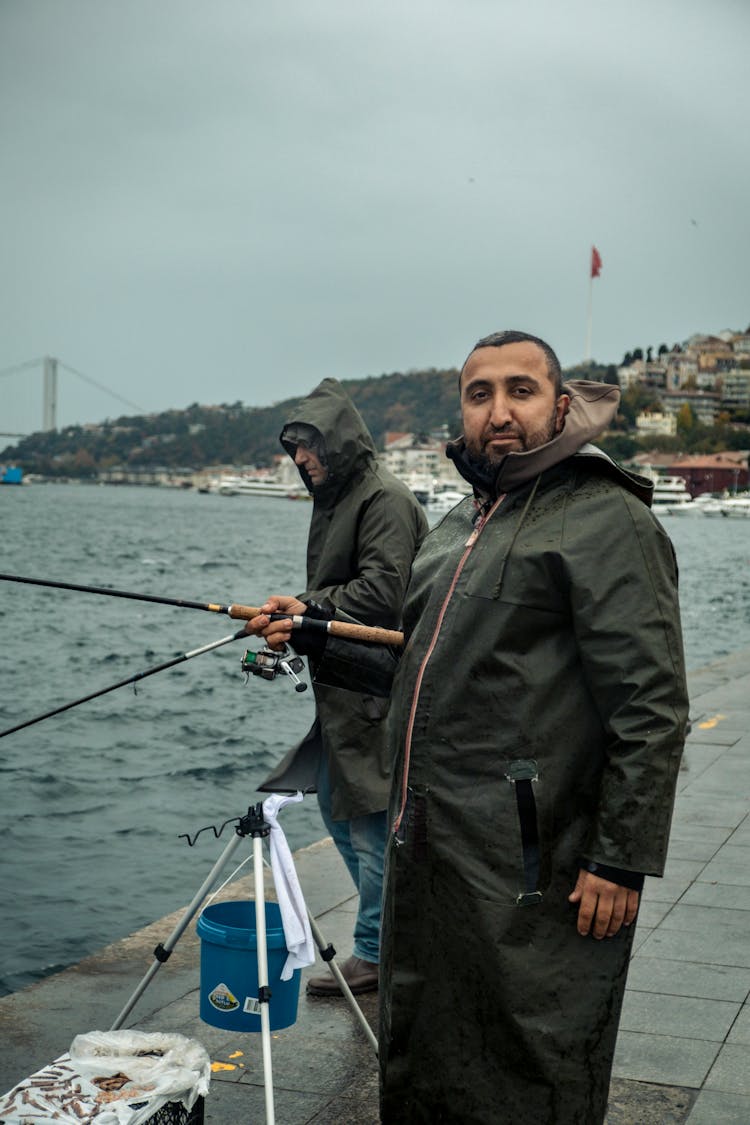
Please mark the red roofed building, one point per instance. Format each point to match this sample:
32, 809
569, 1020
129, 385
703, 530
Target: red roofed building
703, 472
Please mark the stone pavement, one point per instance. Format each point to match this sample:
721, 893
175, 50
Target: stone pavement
683, 1052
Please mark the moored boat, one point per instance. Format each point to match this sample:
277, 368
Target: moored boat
671, 496
735, 507
259, 486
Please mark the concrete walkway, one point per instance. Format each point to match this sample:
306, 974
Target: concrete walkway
683, 1053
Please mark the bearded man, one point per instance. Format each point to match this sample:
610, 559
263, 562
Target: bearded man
538, 716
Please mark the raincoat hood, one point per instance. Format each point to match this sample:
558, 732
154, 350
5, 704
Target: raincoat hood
345, 445
592, 408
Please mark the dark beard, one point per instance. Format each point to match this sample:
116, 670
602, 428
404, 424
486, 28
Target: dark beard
488, 464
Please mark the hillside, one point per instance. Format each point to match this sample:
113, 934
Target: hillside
236, 434
419, 402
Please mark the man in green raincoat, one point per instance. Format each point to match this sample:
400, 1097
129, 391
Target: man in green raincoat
365, 529
538, 715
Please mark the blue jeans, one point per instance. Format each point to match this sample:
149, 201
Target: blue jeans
361, 843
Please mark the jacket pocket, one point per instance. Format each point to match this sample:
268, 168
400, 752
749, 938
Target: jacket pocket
522, 774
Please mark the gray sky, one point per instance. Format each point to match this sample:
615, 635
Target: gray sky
221, 200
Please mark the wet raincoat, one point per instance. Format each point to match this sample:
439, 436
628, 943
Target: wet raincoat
538, 717
365, 529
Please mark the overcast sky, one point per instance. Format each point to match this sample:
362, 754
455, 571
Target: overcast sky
230, 200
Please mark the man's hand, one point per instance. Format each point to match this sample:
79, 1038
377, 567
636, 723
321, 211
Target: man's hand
607, 905
276, 634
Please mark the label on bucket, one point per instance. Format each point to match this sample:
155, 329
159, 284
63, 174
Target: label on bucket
252, 1006
223, 999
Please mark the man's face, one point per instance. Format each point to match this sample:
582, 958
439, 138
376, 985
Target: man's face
508, 401
311, 463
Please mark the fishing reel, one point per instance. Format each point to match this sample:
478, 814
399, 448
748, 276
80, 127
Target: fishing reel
269, 664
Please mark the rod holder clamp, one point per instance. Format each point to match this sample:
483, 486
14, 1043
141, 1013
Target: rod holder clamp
253, 824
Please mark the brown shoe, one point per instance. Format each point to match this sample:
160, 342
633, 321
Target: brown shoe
361, 976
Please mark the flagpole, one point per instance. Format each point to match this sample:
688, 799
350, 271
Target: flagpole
587, 355
594, 271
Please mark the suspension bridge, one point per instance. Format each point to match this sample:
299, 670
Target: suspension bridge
50, 369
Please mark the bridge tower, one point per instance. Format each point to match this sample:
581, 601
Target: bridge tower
49, 409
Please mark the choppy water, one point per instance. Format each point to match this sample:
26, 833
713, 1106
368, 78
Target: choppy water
93, 800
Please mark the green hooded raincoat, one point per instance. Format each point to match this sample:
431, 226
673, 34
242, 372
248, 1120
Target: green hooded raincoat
365, 529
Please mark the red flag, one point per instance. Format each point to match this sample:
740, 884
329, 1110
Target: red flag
596, 262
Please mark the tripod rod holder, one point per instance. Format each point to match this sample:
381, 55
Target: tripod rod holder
253, 823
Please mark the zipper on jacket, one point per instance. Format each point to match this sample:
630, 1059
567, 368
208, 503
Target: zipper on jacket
476, 532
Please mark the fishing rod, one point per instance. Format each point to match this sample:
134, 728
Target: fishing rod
130, 680
369, 633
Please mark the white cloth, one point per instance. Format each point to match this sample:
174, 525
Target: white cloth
294, 918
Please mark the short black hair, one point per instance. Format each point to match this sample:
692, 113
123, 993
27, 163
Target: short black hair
514, 336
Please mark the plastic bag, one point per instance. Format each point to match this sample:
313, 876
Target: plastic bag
128, 1067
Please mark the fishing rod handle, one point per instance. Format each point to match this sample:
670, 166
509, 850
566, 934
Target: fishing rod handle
351, 631
243, 612
371, 633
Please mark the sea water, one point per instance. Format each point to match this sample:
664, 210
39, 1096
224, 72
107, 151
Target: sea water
94, 800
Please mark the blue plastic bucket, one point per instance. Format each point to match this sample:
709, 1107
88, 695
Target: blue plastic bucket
229, 968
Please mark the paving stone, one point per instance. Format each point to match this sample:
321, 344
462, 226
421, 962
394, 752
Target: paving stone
678, 875
681, 1016
665, 1059
699, 808
725, 947
731, 865
702, 919
740, 1033
681, 978
718, 894
697, 841
730, 1072
715, 1108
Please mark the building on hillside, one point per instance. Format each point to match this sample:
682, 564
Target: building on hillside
705, 405
697, 364
650, 423
712, 353
631, 375
417, 461
735, 390
642, 373
682, 368
741, 346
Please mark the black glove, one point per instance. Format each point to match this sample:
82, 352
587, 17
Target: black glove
310, 638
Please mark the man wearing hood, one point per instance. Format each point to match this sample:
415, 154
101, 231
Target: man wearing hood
538, 718
365, 529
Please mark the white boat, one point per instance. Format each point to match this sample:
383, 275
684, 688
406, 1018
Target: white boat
260, 486
708, 505
735, 507
671, 496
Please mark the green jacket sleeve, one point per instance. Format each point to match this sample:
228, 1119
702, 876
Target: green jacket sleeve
627, 624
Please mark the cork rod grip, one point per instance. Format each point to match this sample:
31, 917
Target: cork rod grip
370, 633
243, 612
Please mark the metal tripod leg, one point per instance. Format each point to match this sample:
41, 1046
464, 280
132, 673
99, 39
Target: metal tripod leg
327, 953
163, 950
264, 994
